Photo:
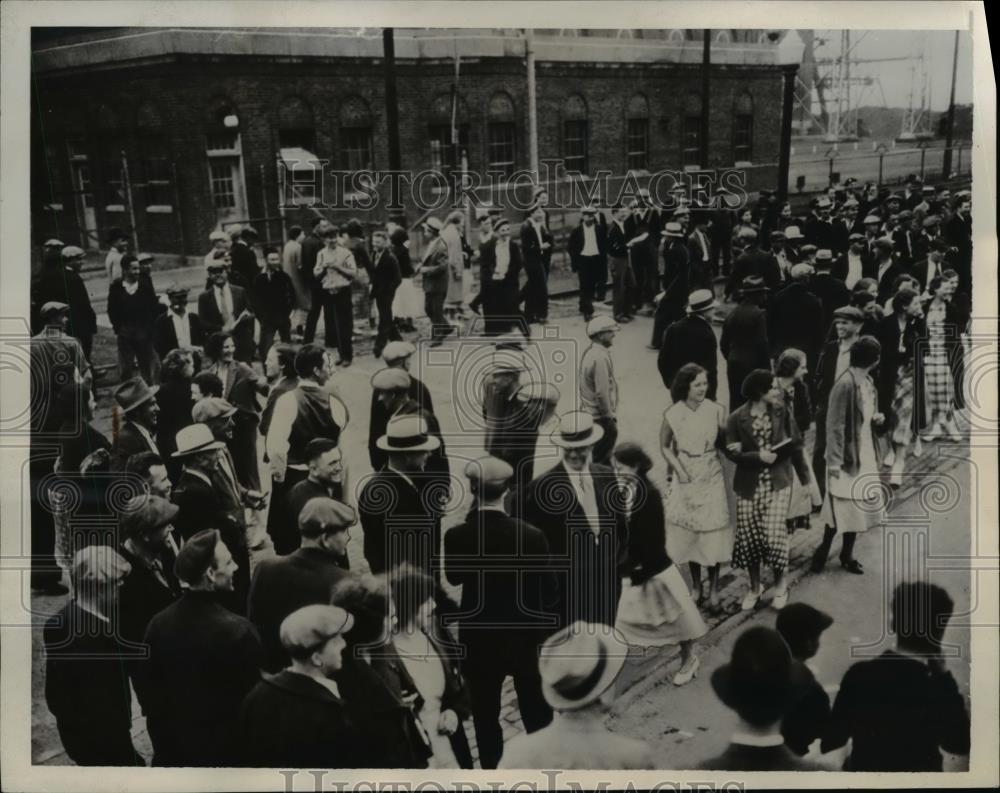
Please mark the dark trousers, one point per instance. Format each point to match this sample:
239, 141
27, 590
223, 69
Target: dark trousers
268, 329
590, 273
386, 325
312, 318
89, 747
722, 249
338, 319
434, 308
644, 269
819, 452
282, 525
601, 278
44, 570
623, 284
535, 293
135, 354
485, 670
736, 373
666, 313
606, 445
243, 448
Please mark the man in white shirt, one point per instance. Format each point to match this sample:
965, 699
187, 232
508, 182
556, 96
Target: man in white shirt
337, 271
855, 260
598, 387
220, 244
178, 328
586, 248
118, 241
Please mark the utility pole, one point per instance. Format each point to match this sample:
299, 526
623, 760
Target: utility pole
529, 52
950, 134
785, 150
706, 62
392, 117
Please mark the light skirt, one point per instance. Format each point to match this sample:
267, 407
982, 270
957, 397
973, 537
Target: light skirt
659, 611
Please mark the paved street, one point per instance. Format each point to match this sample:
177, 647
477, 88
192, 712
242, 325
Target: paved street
665, 716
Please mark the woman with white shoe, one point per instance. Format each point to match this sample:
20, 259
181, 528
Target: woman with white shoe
764, 442
655, 608
903, 336
942, 330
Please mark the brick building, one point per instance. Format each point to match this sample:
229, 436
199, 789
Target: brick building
181, 131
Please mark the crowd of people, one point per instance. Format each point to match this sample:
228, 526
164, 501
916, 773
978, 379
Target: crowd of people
212, 569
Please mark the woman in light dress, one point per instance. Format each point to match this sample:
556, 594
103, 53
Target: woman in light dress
655, 608
445, 700
699, 529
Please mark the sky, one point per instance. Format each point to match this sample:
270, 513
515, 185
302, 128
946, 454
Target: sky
895, 75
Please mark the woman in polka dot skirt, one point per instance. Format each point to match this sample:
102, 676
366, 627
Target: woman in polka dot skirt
764, 442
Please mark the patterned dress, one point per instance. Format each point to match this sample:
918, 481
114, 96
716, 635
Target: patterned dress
761, 534
697, 513
937, 369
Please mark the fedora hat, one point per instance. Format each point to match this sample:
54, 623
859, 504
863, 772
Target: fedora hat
507, 360
53, 307
196, 438
794, 233
700, 300
538, 392
434, 224
407, 434
753, 284
761, 681
576, 430
672, 229
489, 470
397, 350
132, 393
392, 378
209, 408
578, 664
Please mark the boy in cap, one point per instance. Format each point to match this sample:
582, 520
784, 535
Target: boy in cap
178, 328
801, 626
117, 247
578, 667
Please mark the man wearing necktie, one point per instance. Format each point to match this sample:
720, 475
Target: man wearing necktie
575, 506
225, 307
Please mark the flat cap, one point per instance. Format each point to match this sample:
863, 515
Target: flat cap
507, 360
218, 236
433, 223
145, 257
323, 515
600, 324
884, 244
931, 220
869, 219
906, 214
311, 626
489, 471
500, 222
146, 513
801, 270
824, 255
538, 392
590, 209
849, 312
927, 189
851, 202
391, 378
824, 203
98, 565
73, 252
176, 291
747, 234
800, 621
856, 237
211, 408
395, 350
807, 249
52, 307
777, 236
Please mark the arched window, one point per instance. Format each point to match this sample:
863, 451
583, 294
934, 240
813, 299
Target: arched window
575, 135
722, 37
445, 153
356, 134
501, 134
155, 169
743, 128
677, 36
637, 133
296, 127
691, 130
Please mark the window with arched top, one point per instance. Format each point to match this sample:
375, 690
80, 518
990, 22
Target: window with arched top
677, 36
722, 37
575, 135
448, 131
637, 133
225, 160
154, 170
743, 128
296, 125
691, 130
501, 134
356, 134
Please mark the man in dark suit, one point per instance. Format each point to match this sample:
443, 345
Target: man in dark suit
536, 250
61, 282
245, 269
754, 261
819, 229
904, 240
692, 340
203, 660
744, 341
306, 576
325, 480
644, 223
396, 505
587, 248
573, 505
177, 328
274, 298
311, 246
795, 317
676, 282
396, 354
500, 265
386, 278
720, 232
700, 251
958, 233
501, 563
886, 270
137, 402
831, 291
225, 306
86, 683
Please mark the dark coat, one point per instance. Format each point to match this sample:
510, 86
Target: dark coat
795, 319
396, 520
647, 533
203, 660
819, 232
574, 246
739, 428
386, 276
886, 282
302, 492
531, 249
77, 441
744, 338
131, 441
311, 246
174, 399
900, 713
832, 293
244, 268
689, 340
273, 297
380, 419
499, 299
590, 579
283, 386
755, 262
503, 566
808, 718
133, 315
291, 721
824, 377
914, 338
676, 278
65, 285
86, 689
165, 337
434, 267
212, 322
739, 757
285, 584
